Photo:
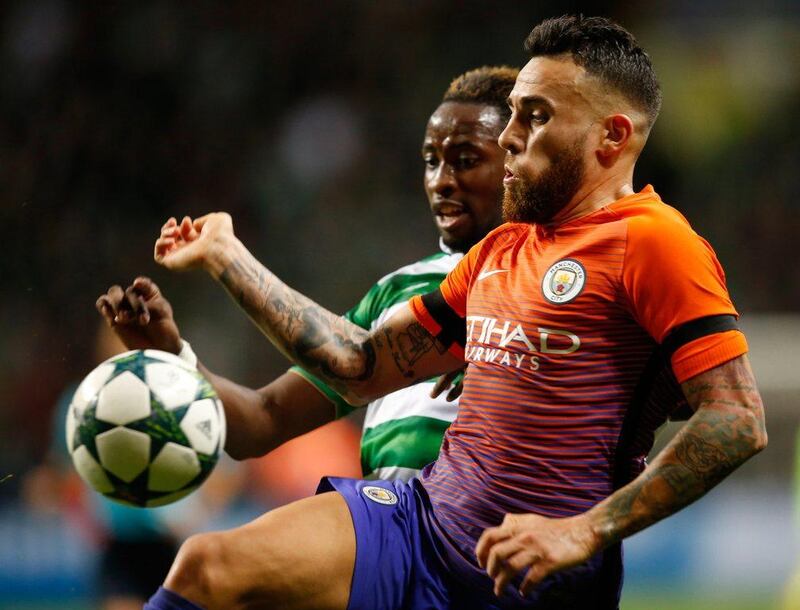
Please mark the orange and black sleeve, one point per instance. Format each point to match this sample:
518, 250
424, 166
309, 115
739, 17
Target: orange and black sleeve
442, 312
677, 291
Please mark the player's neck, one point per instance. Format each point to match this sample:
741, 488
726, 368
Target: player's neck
595, 196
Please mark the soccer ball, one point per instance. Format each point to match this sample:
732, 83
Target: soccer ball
145, 428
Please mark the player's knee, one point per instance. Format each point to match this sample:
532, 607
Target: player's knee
195, 571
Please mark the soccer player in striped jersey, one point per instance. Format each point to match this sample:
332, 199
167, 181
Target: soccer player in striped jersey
403, 430
565, 315
463, 181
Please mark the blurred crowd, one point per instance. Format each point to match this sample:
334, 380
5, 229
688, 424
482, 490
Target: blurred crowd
304, 121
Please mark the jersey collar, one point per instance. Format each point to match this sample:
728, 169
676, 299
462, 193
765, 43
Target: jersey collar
648, 193
445, 248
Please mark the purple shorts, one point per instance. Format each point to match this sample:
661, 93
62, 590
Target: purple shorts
404, 563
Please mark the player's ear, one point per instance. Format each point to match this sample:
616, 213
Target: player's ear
618, 132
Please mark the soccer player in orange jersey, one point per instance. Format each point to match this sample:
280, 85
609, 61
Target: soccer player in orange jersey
565, 315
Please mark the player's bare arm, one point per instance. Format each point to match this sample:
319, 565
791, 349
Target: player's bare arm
359, 364
726, 429
258, 420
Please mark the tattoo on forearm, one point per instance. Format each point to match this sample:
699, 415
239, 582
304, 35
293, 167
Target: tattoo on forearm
318, 339
700, 456
727, 429
235, 274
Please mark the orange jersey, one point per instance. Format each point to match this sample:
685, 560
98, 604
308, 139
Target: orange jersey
566, 333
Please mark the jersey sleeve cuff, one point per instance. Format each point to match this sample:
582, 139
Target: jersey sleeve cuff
427, 321
423, 316
343, 408
707, 352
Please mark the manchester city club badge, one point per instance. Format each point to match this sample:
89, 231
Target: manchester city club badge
380, 495
563, 281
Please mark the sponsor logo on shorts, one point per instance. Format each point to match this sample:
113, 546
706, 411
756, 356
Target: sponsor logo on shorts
380, 495
563, 281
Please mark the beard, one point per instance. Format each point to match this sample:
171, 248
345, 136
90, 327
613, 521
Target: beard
537, 200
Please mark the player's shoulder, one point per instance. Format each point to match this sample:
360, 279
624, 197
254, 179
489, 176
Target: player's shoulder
658, 234
646, 211
647, 216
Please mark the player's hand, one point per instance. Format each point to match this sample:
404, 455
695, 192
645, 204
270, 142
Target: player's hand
192, 244
140, 316
454, 378
531, 541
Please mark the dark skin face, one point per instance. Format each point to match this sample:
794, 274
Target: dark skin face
464, 171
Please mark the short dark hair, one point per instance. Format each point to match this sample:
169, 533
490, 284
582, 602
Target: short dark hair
489, 85
605, 50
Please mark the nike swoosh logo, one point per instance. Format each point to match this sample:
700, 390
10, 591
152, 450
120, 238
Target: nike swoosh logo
484, 274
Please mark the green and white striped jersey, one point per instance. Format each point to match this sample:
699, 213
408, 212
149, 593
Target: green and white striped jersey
403, 430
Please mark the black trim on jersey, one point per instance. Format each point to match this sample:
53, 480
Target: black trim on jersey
686, 333
611, 568
681, 413
633, 415
454, 329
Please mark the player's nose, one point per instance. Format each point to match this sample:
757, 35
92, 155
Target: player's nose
442, 180
511, 139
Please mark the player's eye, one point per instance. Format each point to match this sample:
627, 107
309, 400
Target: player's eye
539, 117
430, 160
466, 161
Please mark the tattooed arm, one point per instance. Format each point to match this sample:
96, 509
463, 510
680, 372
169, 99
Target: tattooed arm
726, 429
361, 365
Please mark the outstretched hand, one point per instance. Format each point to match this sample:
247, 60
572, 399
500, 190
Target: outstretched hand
140, 316
538, 544
191, 244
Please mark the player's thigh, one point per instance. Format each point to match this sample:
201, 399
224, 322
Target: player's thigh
299, 556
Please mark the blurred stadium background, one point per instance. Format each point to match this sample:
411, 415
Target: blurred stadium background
304, 120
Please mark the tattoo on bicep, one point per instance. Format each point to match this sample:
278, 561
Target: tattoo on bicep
411, 345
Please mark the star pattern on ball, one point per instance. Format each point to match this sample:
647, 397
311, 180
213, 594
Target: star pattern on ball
149, 433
